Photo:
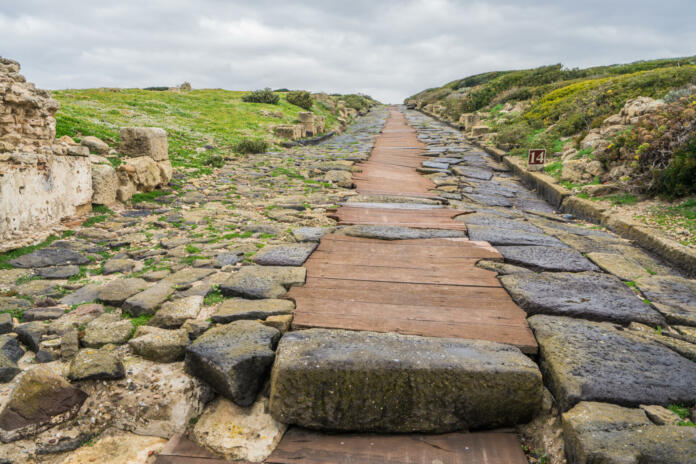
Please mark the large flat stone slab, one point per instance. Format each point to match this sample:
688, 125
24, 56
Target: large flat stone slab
237, 309
46, 257
385, 382
592, 361
498, 236
547, 258
497, 221
610, 434
675, 297
399, 232
284, 255
589, 295
234, 358
258, 282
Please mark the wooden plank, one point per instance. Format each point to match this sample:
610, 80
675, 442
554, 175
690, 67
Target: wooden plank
308, 447
496, 314
450, 275
181, 450
464, 298
520, 337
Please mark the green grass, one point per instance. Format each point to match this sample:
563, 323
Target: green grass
138, 321
192, 119
677, 216
10, 255
149, 196
622, 199
213, 297
95, 220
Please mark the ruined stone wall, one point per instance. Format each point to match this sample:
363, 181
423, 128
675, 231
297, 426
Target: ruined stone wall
41, 182
26, 113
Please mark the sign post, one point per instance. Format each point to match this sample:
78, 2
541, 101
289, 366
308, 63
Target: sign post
536, 159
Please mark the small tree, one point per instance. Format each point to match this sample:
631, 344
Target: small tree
262, 96
300, 98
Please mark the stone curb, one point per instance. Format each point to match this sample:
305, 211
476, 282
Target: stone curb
563, 199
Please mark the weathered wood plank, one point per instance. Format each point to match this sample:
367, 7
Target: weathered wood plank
307, 447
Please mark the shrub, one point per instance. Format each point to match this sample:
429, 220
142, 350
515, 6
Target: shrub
358, 102
261, 96
251, 146
215, 161
300, 98
156, 89
677, 94
679, 177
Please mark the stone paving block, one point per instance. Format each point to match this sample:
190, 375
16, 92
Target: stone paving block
589, 295
592, 361
368, 381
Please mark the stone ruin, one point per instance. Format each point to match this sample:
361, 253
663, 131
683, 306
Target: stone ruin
44, 181
41, 181
309, 125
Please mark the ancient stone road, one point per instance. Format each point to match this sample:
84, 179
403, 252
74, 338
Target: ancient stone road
458, 250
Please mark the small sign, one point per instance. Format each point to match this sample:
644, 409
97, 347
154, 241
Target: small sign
536, 157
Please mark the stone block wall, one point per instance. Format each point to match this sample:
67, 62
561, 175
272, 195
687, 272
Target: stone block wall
38, 190
41, 182
27, 119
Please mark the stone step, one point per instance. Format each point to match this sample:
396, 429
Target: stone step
384, 382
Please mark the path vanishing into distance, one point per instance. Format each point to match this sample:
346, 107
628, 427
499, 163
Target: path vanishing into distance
439, 312
452, 299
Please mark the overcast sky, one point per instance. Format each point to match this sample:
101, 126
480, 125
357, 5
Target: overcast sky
386, 48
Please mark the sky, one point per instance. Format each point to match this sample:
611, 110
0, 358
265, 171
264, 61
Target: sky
388, 49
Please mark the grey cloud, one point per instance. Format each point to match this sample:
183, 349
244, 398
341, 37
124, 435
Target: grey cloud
386, 48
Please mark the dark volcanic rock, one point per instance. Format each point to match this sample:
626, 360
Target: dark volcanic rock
593, 361
496, 221
10, 353
589, 295
238, 309
400, 233
546, 258
58, 272
46, 257
5, 323
673, 296
610, 434
474, 173
42, 314
30, 334
234, 358
40, 400
368, 381
258, 282
498, 236
284, 255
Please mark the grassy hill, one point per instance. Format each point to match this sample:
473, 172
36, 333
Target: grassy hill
193, 118
555, 108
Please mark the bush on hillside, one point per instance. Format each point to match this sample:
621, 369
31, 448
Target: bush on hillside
262, 96
251, 146
678, 179
300, 98
358, 102
677, 94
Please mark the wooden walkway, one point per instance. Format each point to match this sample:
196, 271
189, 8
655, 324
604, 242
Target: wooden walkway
425, 287
391, 167
428, 287
301, 446
429, 218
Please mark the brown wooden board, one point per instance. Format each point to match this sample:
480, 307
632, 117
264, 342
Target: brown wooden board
308, 447
181, 450
431, 218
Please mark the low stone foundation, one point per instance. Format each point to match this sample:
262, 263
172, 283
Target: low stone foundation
38, 190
